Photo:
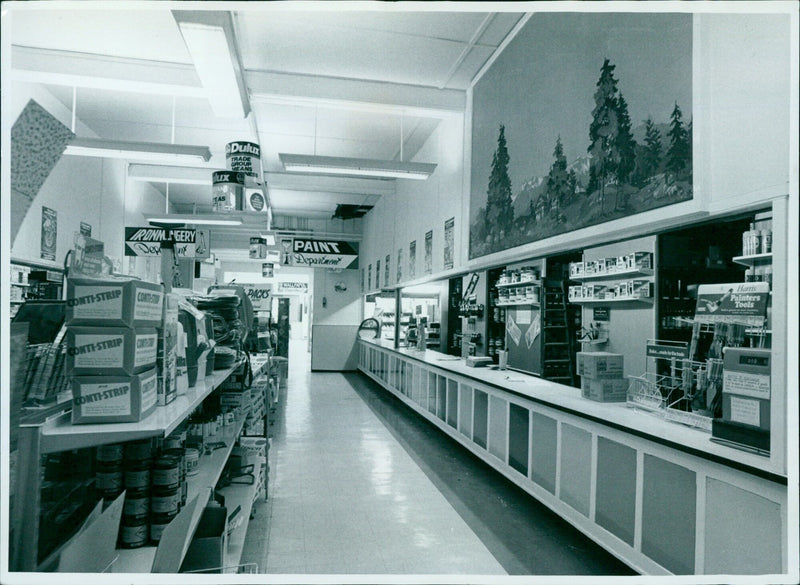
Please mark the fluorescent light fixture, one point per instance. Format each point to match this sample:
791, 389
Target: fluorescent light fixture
148, 151
210, 40
170, 174
270, 238
194, 219
357, 167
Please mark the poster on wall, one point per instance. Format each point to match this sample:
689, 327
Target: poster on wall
202, 248
429, 252
449, 228
369, 277
386, 271
49, 234
377, 274
324, 253
412, 259
146, 241
86, 229
608, 141
399, 264
362, 280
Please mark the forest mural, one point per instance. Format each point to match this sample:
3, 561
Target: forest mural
584, 118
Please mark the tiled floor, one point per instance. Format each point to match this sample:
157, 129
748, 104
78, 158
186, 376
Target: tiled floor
345, 496
360, 484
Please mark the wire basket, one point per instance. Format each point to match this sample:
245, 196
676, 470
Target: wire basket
645, 391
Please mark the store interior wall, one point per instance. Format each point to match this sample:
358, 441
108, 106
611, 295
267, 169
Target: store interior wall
741, 101
420, 206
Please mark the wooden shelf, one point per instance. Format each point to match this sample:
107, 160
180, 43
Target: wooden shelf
518, 303
753, 259
614, 275
20, 284
61, 435
616, 300
525, 283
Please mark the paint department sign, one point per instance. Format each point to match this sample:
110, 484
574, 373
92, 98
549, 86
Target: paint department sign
146, 241
324, 253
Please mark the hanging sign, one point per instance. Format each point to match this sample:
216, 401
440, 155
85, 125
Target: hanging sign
429, 252
86, 229
292, 287
202, 249
324, 253
663, 350
267, 270
286, 252
146, 241
273, 256
244, 157
739, 302
49, 233
260, 295
227, 191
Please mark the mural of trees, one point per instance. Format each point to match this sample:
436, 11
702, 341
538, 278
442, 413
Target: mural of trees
619, 175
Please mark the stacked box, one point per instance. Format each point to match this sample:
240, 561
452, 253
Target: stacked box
576, 269
602, 376
746, 386
112, 348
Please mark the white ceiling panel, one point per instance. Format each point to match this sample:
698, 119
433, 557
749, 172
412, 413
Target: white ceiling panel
120, 30
499, 27
472, 63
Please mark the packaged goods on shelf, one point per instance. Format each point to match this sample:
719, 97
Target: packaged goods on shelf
606, 265
575, 293
600, 365
111, 399
636, 261
640, 289
166, 357
113, 302
576, 269
110, 351
254, 446
594, 291
612, 390
590, 268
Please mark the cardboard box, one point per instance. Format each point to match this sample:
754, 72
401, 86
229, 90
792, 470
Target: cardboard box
639, 261
112, 399
614, 390
641, 289
114, 302
209, 545
110, 351
600, 365
576, 269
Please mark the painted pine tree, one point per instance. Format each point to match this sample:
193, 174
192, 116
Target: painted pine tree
679, 151
651, 160
499, 208
626, 150
558, 183
603, 132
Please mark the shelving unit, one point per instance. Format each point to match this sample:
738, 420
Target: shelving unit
614, 275
753, 259
518, 303
614, 300
522, 283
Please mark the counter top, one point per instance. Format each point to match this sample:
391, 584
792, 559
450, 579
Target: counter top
614, 414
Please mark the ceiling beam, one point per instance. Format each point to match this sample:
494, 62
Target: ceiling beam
355, 94
103, 72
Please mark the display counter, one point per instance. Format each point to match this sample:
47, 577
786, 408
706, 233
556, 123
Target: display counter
658, 495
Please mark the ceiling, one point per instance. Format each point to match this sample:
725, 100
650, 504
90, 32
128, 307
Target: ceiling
370, 81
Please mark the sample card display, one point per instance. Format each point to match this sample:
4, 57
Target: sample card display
449, 245
324, 253
429, 252
49, 234
412, 259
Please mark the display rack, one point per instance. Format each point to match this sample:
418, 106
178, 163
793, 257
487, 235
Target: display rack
753, 259
614, 300
243, 495
613, 275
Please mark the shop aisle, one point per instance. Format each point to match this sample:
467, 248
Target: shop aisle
359, 484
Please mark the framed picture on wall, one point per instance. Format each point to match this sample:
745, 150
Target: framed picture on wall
412, 259
429, 252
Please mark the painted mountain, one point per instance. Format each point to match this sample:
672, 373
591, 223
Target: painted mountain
582, 153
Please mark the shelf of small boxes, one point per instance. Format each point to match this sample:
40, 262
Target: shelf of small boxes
519, 287
633, 264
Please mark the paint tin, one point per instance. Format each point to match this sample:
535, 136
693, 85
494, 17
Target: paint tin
133, 533
166, 473
137, 477
136, 506
192, 461
157, 525
180, 454
139, 450
108, 479
165, 501
110, 453
173, 442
